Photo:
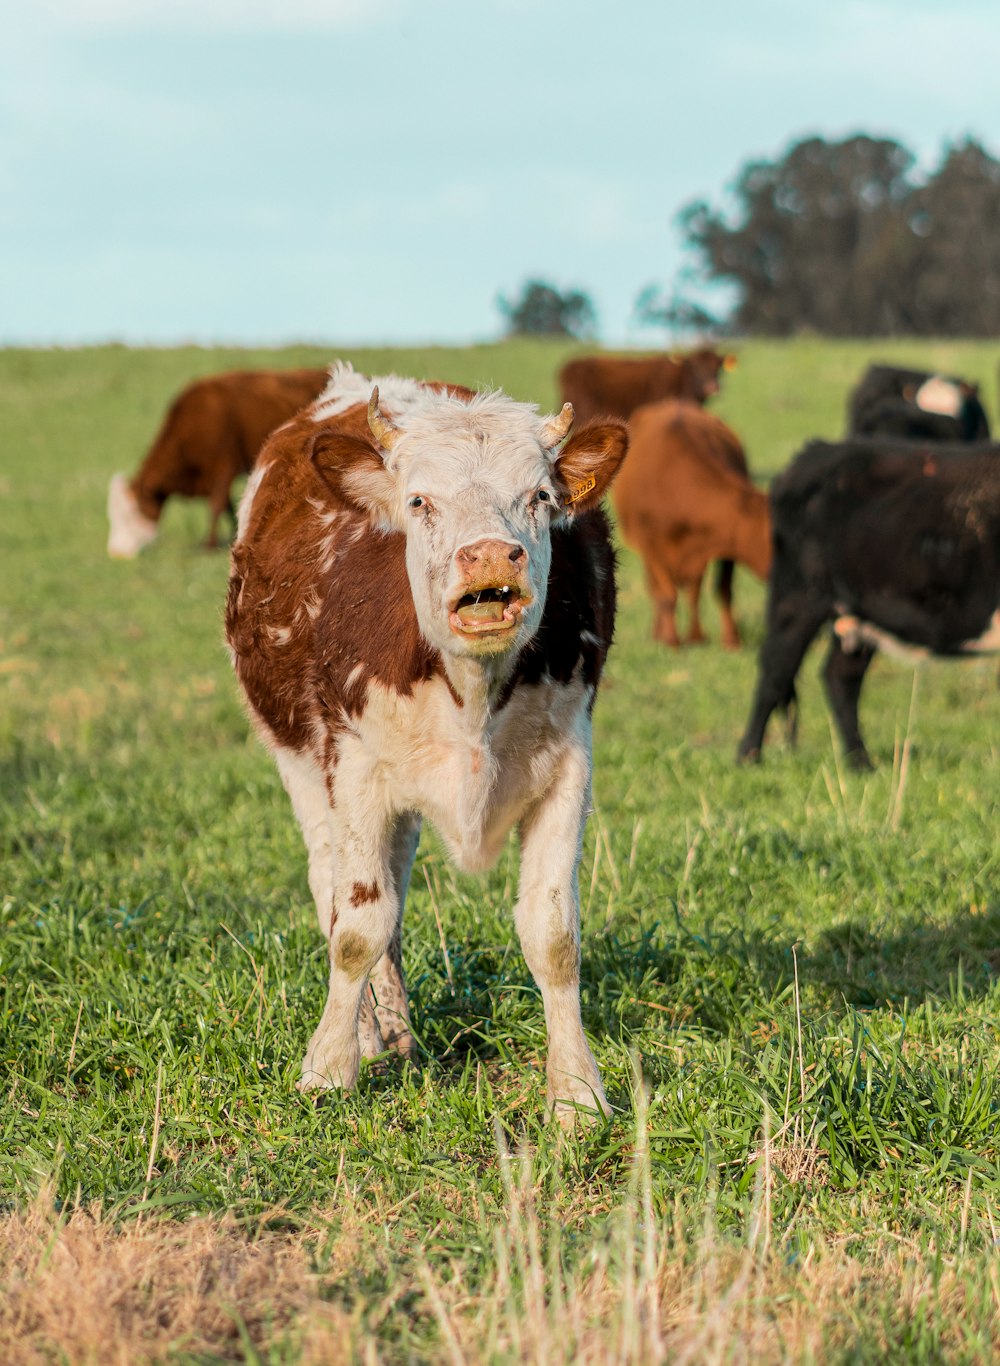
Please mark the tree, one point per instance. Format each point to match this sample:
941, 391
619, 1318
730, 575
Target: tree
652, 308
841, 238
542, 311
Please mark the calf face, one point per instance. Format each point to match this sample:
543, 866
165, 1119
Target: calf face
476, 487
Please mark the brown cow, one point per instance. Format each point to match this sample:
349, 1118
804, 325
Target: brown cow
614, 386
420, 604
684, 498
211, 434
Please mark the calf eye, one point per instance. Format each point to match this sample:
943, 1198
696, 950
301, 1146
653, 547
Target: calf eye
543, 496
416, 502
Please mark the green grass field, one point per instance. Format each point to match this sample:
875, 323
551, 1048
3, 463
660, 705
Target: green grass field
790, 974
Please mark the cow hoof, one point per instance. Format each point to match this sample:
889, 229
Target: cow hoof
578, 1102
749, 755
324, 1072
860, 761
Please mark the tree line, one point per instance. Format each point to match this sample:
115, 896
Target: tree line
843, 238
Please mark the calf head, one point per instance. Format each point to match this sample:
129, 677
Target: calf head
476, 485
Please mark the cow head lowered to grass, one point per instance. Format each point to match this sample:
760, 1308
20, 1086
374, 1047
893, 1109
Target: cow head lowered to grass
420, 605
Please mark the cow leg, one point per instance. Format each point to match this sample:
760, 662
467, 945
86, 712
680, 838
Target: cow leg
351, 877
365, 918
547, 916
692, 591
843, 674
788, 637
388, 986
307, 791
219, 502
663, 591
724, 593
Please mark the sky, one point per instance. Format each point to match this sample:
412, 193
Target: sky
378, 171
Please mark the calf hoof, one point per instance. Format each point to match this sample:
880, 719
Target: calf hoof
324, 1069
575, 1101
748, 754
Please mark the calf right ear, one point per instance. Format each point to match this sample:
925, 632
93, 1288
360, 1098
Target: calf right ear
587, 464
356, 474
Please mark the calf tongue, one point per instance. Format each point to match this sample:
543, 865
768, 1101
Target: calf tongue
481, 611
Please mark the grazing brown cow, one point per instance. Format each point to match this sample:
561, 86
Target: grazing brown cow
420, 604
684, 498
614, 386
211, 434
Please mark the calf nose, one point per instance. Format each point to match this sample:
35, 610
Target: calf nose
490, 556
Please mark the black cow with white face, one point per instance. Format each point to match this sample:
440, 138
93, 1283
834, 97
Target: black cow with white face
917, 405
897, 545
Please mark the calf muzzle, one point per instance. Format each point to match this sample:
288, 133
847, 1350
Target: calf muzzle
492, 575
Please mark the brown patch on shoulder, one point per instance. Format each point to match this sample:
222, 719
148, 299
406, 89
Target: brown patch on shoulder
353, 954
364, 893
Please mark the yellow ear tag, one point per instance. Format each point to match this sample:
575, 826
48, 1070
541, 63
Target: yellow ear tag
582, 489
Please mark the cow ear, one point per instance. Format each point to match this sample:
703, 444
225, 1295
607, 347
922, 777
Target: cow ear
587, 464
355, 472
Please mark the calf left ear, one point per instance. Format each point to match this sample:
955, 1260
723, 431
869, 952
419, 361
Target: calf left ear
587, 464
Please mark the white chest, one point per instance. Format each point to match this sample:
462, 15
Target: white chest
472, 776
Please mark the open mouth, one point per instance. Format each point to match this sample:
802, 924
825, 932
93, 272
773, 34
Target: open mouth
487, 609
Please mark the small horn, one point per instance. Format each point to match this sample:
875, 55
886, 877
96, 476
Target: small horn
382, 429
557, 427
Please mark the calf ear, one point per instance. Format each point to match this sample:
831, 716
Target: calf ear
356, 473
587, 464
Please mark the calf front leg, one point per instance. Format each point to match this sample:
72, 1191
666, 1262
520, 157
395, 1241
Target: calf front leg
547, 916
364, 918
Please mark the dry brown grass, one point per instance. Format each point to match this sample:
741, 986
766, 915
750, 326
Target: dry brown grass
84, 1290
81, 1289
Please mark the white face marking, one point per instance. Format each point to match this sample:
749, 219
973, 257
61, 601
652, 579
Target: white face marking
939, 395
464, 473
476, 480
130, 530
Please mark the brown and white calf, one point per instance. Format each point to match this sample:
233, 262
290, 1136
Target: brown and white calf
420, 605
211, 435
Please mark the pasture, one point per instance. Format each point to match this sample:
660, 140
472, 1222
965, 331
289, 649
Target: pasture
790, 973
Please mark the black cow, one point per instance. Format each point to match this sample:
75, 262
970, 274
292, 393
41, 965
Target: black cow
898, 545
916, 404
